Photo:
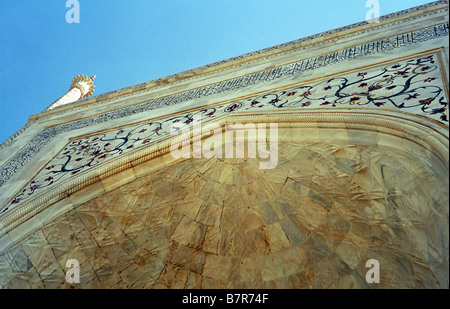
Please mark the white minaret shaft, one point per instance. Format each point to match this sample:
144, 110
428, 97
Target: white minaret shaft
82, 87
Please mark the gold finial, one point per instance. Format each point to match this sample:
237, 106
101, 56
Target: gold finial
85, 84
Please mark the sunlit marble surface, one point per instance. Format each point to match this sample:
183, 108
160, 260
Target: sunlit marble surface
312, 222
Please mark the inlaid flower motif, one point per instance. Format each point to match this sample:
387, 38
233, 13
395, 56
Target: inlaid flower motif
426, 101
412, 96
438, 110
305, 104
375, 87
34, 187
233, 107
273, 101
403, 73
305, 94
326, 103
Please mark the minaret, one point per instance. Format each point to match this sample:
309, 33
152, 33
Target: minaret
82, 87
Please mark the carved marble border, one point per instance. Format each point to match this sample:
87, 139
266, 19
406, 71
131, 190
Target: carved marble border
8, 141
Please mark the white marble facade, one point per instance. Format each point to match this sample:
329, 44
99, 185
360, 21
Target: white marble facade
362, 113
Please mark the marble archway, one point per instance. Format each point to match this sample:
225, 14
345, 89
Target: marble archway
340, 195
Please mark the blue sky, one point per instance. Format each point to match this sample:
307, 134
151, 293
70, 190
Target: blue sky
125, 42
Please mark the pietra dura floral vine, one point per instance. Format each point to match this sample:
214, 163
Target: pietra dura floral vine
412, 85
84, 153
404, 85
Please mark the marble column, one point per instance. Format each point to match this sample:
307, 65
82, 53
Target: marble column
81, 87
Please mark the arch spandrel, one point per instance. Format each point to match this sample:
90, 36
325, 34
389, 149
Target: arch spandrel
225, 223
